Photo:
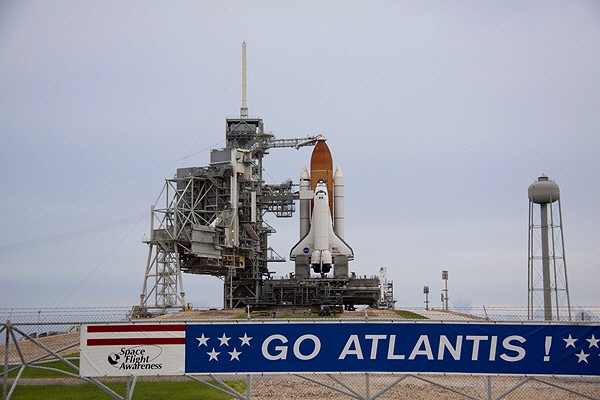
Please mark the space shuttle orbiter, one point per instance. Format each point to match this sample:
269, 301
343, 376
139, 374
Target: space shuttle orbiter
321, 223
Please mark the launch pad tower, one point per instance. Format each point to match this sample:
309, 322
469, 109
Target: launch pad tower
209, 221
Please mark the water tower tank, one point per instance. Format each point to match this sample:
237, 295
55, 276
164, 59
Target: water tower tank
543, 191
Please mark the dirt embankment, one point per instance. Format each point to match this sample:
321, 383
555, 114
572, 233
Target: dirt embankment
63, 344
197, 315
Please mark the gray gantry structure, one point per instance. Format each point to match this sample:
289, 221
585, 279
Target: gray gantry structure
209, 221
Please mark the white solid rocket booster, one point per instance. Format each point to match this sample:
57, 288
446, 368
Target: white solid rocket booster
338, 202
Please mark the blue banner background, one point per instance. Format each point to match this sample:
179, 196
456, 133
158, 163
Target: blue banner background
479, 348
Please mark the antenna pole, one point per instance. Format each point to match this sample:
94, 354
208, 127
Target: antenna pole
244, 109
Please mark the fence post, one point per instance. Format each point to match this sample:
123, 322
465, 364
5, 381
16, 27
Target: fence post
5, 379
130, 386
487, 382
249, 387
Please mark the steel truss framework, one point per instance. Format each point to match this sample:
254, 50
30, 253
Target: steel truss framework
545, 229
209, 221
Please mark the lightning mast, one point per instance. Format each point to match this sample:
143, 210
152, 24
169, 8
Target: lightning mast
244, 109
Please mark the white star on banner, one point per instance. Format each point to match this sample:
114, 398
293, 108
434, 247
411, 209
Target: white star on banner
245, 339
235, 354
202, 340
213, 354
570, 341
593, 341
582, 357
224, 340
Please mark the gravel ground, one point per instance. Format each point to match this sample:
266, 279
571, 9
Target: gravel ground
31, 351
293, 387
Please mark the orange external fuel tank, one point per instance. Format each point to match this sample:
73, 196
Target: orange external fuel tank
321, 167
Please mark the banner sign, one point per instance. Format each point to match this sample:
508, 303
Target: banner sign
340, 346
132, 349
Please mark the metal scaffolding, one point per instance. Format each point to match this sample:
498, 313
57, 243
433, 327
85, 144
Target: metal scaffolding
209, 220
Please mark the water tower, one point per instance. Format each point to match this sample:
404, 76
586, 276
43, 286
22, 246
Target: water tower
547, 276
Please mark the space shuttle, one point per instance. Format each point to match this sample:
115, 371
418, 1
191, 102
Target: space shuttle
321, 246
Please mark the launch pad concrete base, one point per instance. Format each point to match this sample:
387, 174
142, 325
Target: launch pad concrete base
347, 292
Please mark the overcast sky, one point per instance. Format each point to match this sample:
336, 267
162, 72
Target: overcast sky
441, 114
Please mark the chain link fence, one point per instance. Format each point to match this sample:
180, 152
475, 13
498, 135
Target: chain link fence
39, 352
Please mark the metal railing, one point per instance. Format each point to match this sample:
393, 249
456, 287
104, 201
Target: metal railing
47, 342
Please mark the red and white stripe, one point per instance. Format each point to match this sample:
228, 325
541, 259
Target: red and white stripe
135, 334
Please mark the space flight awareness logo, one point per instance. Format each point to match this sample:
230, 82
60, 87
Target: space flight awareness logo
393, 347
136, 358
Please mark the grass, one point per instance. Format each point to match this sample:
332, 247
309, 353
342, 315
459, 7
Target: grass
403, 313
409, 314
143, 391
311, 316
34, 373
267, 314
163, 389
